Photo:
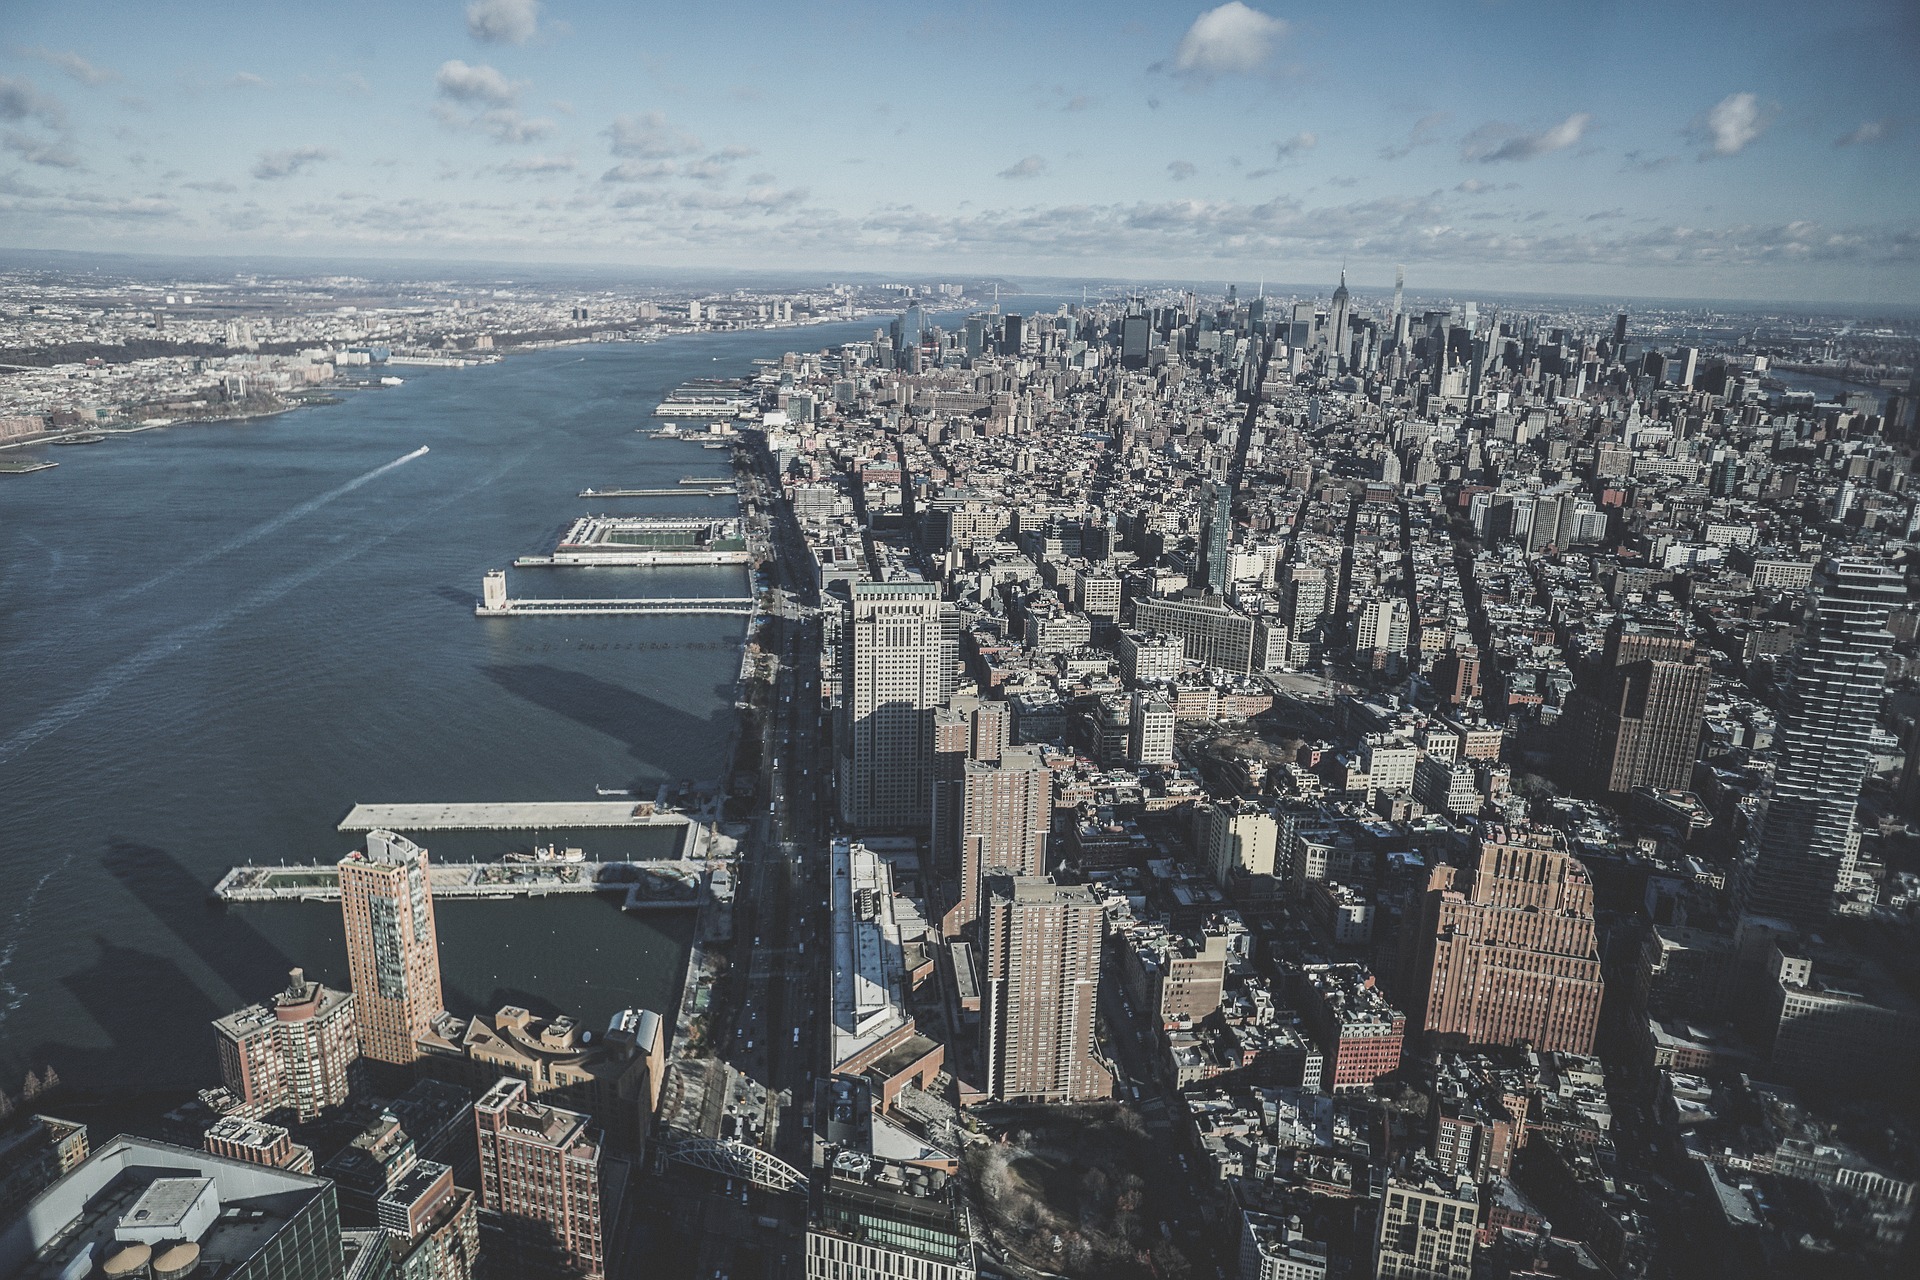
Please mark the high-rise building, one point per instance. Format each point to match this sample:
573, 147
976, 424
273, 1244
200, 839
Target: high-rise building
299, 1051
1150, 730
1427, 1228
1006, 810
393, 953
432, 1227
1239, 838
1214, 635
540, 1180
1636, 718
1043, 947
1504, 950
1133, 342
898, 658
1216, 536
136, 1207
1808, 838
1381, 633
1338, 321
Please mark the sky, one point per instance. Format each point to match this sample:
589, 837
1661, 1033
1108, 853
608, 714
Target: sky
1749, 150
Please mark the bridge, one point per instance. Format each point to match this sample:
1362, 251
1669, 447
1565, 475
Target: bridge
742, 605
735, 1159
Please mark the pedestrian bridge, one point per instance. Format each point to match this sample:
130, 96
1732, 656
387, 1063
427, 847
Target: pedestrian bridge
736, 1159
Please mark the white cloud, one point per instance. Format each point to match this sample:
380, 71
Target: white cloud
1869, 132
1732, 123
72, 64
218, 186
1180, 170
247, 80
503, 21
1025, 167
1474, 187
1425, 132
1232, 39
1495, 141
479, 83
640, 171
649, 137
540, 164
1291, 147
274, 165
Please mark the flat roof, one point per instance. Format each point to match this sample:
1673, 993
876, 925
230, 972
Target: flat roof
528, 815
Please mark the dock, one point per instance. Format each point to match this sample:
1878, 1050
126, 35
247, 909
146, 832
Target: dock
704, 491
530, 815
647, 885
742, 605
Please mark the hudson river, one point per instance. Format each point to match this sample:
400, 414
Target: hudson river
215, 639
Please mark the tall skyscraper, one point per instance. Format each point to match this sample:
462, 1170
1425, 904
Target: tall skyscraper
899, 650
1504, 950
1807, 838
540, 1174
1043, 951
1338, 321
298, 1051
393, 953
1636, 718
1216, 536
1006, 808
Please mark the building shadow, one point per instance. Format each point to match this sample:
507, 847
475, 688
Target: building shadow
156, 1020
655, 733
227, 944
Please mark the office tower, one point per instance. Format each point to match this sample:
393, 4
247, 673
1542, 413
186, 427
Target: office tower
1635, 720
393, 955
897, 658
1133, 342
976, 336
1807, 838
1381, 633
1429, 1222
1399, 293
1239, 838
1150, 730
540, 1176
1276, 1248
1306, 598
1216, 536
1213, 635
1043, 952
1338, 320
966, 729
1011, 335
1006, 809
298, 1051
909, 329
1504, 950
137, 1208
1619, 333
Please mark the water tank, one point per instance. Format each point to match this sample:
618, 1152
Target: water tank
176, 1262
128, 1262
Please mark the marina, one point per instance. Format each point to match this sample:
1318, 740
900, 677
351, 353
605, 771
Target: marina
646, 540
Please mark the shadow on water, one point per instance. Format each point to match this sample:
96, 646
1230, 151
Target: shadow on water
153, 1015
655, 732
227, 944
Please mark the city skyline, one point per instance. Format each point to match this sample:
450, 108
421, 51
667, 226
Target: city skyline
1752, 154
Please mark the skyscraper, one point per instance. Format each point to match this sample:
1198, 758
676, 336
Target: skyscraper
1807, 837
1006, 808
393, 954
540, 1174
1338, 320
298, 1051
1504, 950
1216, 536
1043, 950
898, 656
1636, 718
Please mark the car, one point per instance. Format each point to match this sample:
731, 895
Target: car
796, 1037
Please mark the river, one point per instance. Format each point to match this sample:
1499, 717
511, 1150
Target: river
214, 639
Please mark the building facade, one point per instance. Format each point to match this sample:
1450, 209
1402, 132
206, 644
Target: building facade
899, 647
393, 952
540, 1177
298, 1051
1043, 947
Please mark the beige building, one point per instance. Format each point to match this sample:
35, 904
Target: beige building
1043, 944
393, 953
1428, 1224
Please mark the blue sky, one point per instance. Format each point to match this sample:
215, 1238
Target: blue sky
1741, 150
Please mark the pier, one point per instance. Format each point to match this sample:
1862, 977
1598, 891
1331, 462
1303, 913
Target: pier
648, 885
742, 605
528, 815
703, 491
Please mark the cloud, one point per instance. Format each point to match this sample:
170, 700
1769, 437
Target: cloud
474, 85
1731, 124
247, 80
1078, 102
220, 186
1026, 167
1180, 170
1230, 40
640, 171
649, 137
1474, 187
1869, 132
1644, 163
1425, 132
1291, 147
50, 153
540, 164
21, 99
72, 64
503, 21
1496, 141
274, 165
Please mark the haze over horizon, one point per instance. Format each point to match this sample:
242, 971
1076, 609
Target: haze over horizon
1754, 151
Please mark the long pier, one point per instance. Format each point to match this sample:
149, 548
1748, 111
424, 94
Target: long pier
651, 884
524, 815
707, 491
742, 605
